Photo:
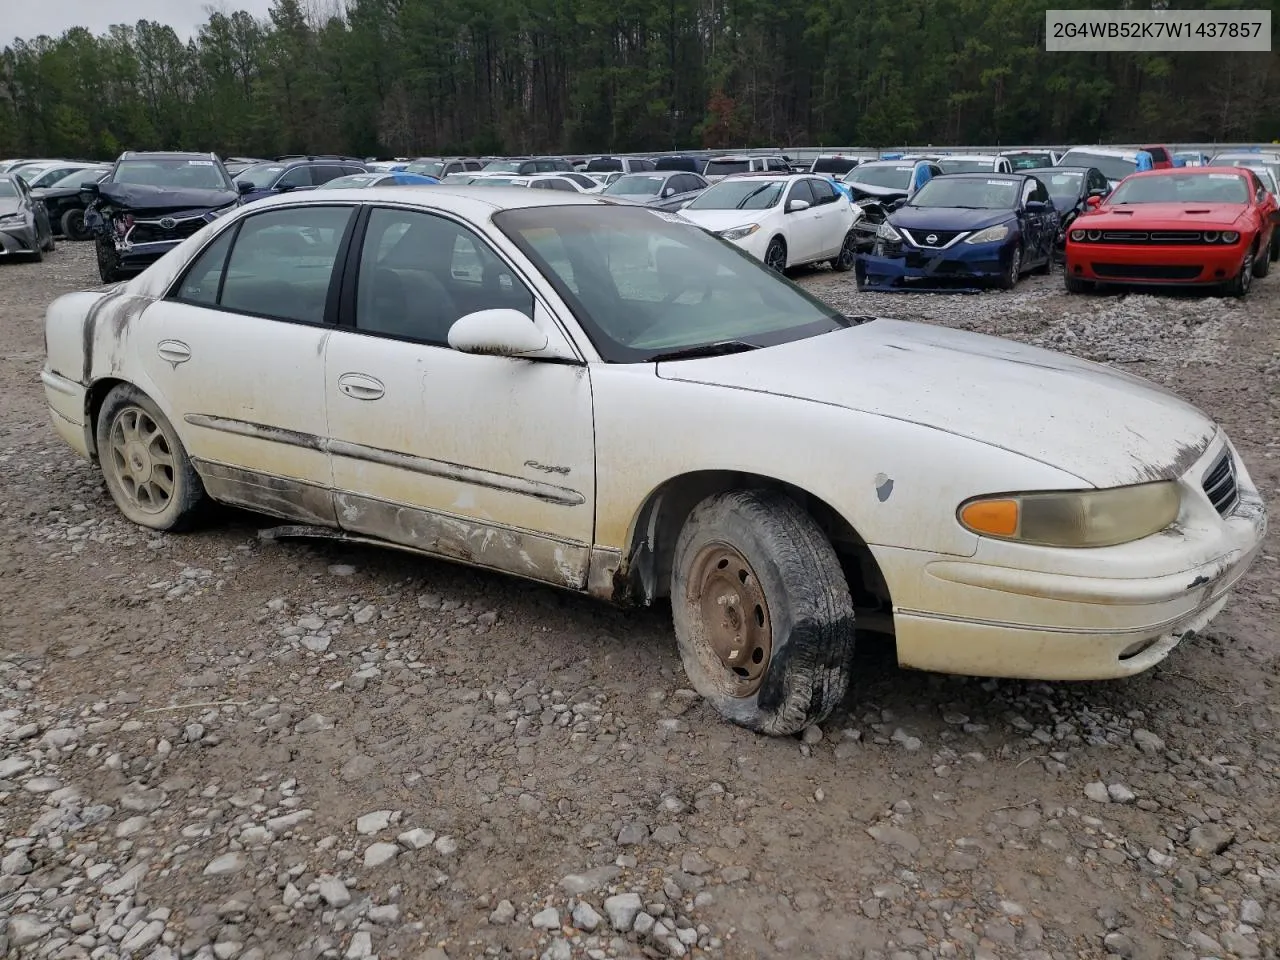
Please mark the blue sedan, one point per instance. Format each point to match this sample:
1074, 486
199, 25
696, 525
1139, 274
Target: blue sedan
398, 178
964, 230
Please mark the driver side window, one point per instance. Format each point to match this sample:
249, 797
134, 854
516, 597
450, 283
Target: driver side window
800, 191
297, 177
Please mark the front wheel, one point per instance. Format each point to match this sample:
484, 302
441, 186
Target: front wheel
108, 261
775, 257
762, 611
848, 253
1243, 281
73, 225
147, 470
1013, 271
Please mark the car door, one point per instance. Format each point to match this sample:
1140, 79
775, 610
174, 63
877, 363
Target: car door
486, 459
831, 217
38, 211
1049, 219
1030, 224
803, 229
235, 356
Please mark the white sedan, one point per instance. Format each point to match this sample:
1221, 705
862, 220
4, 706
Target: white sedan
609, 400
784, 220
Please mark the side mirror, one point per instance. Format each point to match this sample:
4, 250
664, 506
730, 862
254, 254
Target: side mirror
795, 206
244, 186
1094, 201
501, 333
1035, 206
668, 192
285, 187
899, 203
1099, 191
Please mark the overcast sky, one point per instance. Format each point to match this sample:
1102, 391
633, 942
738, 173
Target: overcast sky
30, 18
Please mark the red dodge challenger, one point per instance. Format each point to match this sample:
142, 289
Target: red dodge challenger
1202, 226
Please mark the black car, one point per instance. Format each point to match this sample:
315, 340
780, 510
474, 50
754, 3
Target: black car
1070, 189
293, 173
24, 224
149, 203
65, 202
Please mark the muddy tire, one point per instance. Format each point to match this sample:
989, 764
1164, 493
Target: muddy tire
848, 254
762, 612
775, 256
147, 470
108, 262
73, 225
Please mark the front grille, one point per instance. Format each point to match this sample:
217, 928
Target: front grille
932, 238
152, 231
1155, 236
1146, 271
1220, 484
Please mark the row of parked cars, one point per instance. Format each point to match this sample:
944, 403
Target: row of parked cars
902, 221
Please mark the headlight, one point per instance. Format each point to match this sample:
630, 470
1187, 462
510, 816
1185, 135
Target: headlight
1078, 518
1230, 237
738, 233
989, 235
1077, 235
887, 231
1211, 236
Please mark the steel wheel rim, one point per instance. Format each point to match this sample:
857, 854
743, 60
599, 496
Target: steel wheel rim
141, 460
734, 639
776, 259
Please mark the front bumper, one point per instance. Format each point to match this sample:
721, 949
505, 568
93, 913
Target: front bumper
902, 266
1014, 610
139, 256
1198, 265
18, 241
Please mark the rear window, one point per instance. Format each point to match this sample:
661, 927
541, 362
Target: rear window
604, 165
720, 168
837, 165
1112, 167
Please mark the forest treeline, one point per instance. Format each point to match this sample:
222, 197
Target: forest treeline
415, 77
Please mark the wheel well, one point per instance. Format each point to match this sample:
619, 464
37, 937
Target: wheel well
657, 526
93, 401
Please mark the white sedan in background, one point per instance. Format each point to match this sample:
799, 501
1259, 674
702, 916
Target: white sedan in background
607, 399
782, 219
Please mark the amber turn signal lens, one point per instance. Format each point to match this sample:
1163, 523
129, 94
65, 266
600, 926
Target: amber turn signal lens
999, 518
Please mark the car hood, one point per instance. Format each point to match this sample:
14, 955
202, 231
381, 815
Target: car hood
1105, 427
724, 219
164, 199
1185, 215
947, 218
866, 190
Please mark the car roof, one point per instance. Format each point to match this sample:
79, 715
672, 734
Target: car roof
1262, 156
1109, 151
967, 156
165, 155
479, 203
985, 175
886, 163
1063, 168
1186, 172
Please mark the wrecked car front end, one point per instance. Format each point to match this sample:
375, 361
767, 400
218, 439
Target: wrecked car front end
902, 259
134, 226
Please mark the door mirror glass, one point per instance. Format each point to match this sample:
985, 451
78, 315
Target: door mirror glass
1036, 206
500, 332
797, 205
244, 186
1094, 201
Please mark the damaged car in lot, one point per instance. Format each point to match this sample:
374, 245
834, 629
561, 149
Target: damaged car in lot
151, 202
656, 415
1185, 226
24, 222
963, 229
65, 204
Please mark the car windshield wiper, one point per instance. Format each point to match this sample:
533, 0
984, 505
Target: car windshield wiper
756, 192
718, 349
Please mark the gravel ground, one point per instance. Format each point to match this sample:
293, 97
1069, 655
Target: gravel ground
212, 746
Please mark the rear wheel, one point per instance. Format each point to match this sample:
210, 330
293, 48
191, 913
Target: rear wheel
147, 470
775, 256
762, 611
848, 254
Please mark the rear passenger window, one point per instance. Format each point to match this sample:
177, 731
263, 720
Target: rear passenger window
281, 264
823, 192
297, 177
200, 284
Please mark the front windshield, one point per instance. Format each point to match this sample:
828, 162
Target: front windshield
7, 189
739, 195
172, 173
972, 193
427, 168
892, 176
1113, 168
643, 283
1029, 161
356, 181
72, 181
636, 186
1183, 188
722, 168
959, 165
503, 166
1064, 187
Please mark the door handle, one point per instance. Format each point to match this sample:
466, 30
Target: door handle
174, 351
360, 386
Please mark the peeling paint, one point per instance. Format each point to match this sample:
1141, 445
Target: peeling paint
884, 486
